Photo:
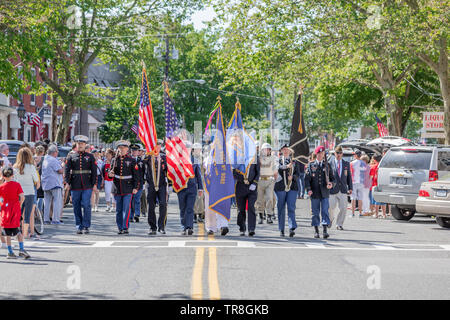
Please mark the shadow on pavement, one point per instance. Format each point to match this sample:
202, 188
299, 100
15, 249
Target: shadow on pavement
54, 295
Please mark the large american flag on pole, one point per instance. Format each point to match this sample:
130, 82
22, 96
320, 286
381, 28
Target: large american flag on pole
179, 165
147, 130
37, 119
381, 128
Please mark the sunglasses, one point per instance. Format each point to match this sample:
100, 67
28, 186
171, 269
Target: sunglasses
339, 152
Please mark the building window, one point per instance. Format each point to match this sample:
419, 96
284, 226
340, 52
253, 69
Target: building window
29, 135
33, 100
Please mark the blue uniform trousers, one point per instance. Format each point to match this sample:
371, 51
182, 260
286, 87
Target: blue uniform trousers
186, 201
320, 208
136, 205
81, 199
286, 198
123, 208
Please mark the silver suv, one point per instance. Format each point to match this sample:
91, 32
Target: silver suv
401, 173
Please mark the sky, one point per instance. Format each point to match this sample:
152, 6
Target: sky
202, 16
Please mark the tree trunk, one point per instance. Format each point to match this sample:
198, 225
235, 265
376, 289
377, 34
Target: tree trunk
445, 90
63, 126
394, 121
54, 117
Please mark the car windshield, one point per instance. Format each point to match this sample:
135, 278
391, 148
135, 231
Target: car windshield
407, 159
62, 153
14, 148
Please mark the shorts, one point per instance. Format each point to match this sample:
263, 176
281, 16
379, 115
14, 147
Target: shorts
10, 232
27, 207
358, 192
373, 202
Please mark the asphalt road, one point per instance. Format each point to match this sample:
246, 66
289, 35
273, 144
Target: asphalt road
370, 259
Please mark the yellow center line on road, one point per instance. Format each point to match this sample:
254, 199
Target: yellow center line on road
197, 274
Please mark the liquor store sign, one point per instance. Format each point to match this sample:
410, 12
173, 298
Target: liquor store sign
433, 125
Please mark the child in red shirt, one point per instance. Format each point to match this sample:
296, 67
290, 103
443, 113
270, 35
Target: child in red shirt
11, 199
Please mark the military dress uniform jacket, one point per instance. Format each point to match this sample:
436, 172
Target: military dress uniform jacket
141, 171
126, 175
149, 172
253, 176
80, 171
282, 170
195, 183
315, 180
344, 182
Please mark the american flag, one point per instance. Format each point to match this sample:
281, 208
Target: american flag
179, 165
381, 128
37, 119
135, 128
147, 130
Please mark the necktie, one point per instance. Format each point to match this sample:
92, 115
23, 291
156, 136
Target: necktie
339, 169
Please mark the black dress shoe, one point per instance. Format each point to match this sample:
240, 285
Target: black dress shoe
281, 233
120, 232
224, 231
152, 232
136, 219
291, 233
79, 231
251, 233
86, 231
339, 228
190, 232
242, 233
125, 231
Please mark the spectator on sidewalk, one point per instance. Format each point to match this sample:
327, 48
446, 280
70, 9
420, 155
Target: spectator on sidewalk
374, 176
26, 174
4, 152
358, 168
52, 184
366, 187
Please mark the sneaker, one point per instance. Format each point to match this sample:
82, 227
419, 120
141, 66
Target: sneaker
108, 209
11, 256
162, 231
291, 233
120, 232
24, 254
339, 228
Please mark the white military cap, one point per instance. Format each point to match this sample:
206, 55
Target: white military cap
266, 146
123, 143
81, 138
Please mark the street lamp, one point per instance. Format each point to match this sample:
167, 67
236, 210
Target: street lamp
21, 115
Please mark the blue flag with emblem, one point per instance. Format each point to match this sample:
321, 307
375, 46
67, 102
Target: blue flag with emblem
219, 175
241, 145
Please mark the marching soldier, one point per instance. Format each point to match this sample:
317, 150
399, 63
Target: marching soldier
246, 193
268, 169
81, 178
136, 202
286, 190
156, 177
199, 206
318, 182
142, 152
187, 197
126, 182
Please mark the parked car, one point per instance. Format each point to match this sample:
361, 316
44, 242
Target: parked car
434, 199
63, 152
403, 170
381, 143
14, 146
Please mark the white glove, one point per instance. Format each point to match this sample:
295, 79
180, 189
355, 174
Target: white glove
252, 187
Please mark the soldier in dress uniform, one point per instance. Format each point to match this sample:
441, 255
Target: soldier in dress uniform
156, 177
81, 177
136, 202
318, 182
142, 152
246, 193
199, 206
187, 197
126, 182
286, 190
268, 169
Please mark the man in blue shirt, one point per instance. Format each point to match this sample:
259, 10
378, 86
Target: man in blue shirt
52, 184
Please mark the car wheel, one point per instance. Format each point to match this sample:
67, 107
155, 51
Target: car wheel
402, 214
443, 222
